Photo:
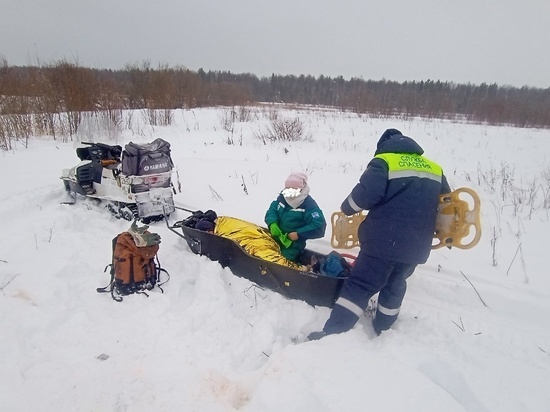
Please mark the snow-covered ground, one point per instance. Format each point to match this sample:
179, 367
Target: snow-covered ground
473, 334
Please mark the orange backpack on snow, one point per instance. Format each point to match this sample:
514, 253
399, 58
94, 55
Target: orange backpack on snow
133, 269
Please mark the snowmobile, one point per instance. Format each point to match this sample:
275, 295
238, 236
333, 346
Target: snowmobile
134, 183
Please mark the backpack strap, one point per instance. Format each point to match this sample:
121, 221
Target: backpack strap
111, 286
159, 269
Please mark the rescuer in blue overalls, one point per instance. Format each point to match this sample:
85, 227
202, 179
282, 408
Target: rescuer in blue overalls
400, 188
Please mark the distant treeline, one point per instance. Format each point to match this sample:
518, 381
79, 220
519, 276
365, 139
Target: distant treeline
67, 88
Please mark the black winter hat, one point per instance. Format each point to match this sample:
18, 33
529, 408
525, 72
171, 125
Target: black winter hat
205, 225
386, 135
210, 215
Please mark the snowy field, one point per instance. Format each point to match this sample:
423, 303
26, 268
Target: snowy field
473, 334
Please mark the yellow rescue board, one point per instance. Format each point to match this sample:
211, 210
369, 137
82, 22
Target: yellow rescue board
456, 218
344, 230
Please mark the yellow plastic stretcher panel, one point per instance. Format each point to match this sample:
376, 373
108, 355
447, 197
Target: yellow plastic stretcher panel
344, 230
456, 218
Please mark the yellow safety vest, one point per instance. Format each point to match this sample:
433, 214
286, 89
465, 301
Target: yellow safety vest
411, 165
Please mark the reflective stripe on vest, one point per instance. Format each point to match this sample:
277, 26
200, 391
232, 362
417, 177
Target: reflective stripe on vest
411, 165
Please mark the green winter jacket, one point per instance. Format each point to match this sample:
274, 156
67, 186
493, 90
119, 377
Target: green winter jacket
307, 220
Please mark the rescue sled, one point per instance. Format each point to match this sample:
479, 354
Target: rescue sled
134, 183
305, 281
457, 223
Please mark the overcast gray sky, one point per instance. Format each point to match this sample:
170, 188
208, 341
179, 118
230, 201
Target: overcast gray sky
463, 41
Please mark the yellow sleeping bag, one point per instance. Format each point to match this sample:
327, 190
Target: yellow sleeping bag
255, 240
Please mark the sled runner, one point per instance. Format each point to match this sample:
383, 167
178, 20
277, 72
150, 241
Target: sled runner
135, 182
456, 218
312, 280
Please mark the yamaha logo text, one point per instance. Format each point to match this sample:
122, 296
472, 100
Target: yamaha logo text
156, 167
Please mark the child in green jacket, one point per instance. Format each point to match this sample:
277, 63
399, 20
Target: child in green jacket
295, 217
